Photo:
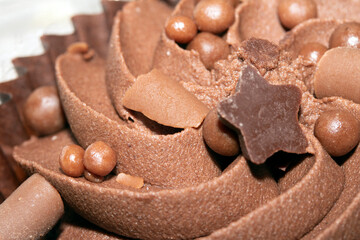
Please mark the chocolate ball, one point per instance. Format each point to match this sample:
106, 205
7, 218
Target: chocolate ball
338, 131
43, 112
346, 35
93, 177
99, 158
214, 16
219, 137
312, 51
181, 29
71, 160
293, 12
210, 47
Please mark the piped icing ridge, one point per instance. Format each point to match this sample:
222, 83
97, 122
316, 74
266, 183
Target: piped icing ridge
186, 191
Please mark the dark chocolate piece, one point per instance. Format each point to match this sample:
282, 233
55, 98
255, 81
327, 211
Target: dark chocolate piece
266, 116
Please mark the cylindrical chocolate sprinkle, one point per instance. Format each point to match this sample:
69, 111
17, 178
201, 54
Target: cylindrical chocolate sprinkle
31, 211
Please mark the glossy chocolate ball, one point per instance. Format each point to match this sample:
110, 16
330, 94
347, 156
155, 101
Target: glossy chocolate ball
210, 47
71, 160
293, 12
219, 137
43, 112
312, 51
346, 35
338, 131
93, 177
181, 29
99, 158
214, 16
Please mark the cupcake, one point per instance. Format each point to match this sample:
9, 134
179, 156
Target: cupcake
197, 119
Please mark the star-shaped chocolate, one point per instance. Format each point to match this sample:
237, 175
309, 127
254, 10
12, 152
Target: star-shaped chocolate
265, 115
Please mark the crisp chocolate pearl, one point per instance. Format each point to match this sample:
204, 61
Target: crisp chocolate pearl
214, 16
293, 12
218, 137
210, 47
181, 29
313, 51
43, 112
71, 160
338, 131
99, 158
93, 177
346, 35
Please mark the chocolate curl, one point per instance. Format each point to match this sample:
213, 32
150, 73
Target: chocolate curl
31, 211
8, 181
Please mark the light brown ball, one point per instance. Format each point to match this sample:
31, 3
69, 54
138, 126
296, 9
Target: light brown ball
71, 160
313, 51
219, 137
293, 12
43, 112
210, 47
214, 16
181, 29
338, 131
99, 158
346, 35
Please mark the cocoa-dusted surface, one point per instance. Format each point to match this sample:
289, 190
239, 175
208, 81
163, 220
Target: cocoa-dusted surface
140, 213
344, 221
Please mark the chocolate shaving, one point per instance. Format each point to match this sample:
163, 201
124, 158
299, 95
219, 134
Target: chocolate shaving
265, 115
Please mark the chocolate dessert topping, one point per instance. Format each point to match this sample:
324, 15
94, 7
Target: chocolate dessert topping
346, 35
265, 115
293, 12
72, 160
165, 101
93, 177
261, 53
220, 138
130, 181
210, 47
181, 29
313, 51
338, 131
33, 209
99, 158
214, 16
43, 111
338, 74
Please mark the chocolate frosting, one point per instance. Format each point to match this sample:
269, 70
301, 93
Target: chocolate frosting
185, 194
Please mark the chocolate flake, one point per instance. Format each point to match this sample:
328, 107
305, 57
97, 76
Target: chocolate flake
265, 115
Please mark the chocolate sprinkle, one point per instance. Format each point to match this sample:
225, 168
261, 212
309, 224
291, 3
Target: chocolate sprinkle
266, 116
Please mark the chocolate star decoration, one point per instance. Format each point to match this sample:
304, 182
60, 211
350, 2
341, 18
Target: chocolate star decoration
265, 116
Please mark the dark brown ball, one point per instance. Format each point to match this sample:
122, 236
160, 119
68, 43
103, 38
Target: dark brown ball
338, 131
71, 160
43, 112
181, 29
210, 47
346, 35
219, 137
93, 177
293, 12
312, 51
99, 158
214, 16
